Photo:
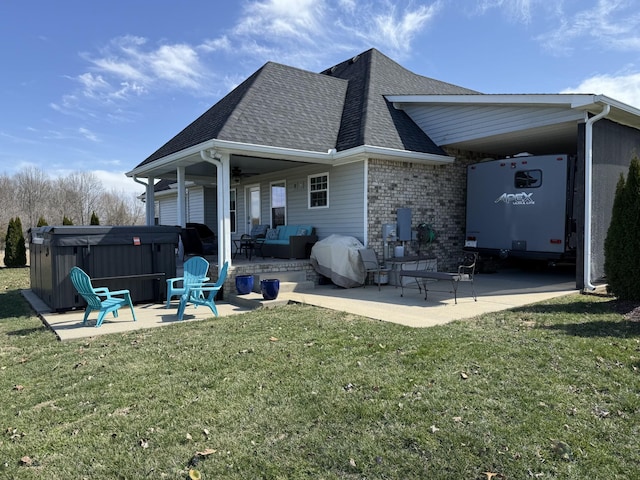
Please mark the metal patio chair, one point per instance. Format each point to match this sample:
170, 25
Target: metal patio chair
467, 270
370, 261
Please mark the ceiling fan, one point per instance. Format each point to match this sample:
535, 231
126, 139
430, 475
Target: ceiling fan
237, 174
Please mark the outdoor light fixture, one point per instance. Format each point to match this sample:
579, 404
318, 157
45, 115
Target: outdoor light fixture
236, 174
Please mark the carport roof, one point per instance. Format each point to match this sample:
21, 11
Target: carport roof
508, 124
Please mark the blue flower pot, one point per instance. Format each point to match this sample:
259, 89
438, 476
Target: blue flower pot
270, 288
244, 284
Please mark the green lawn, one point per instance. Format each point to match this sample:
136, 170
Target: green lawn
545, 391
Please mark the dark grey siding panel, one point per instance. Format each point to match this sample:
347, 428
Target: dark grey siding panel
614, 146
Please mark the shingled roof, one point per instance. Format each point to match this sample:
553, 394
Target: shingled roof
368, 119
342, 108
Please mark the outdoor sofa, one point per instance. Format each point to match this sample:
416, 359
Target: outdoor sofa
288, 241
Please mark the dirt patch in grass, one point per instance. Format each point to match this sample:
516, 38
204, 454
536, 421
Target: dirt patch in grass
630, 310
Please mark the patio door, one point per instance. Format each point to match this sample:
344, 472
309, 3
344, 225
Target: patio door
253, 207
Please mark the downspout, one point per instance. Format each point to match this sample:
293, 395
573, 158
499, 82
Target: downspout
588, 183
149, 200
221, 189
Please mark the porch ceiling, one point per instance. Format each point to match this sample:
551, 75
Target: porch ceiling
561, 137
196, 168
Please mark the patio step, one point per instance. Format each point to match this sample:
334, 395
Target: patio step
255, 300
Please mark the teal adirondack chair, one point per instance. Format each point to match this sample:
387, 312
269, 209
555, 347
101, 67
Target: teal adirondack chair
202, 293
195, 271
111, 302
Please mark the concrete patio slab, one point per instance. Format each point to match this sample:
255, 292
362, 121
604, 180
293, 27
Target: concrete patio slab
495, 292
68, 325
498, 291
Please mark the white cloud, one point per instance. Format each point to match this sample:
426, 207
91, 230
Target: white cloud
518, 10
303, 33
178, 65
118, 181
395, 30
129, 67
610, 24
216, 45
310, 33
349, 6
293, 19
623, 87
88, 134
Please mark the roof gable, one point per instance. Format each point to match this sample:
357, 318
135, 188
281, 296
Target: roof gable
368, 118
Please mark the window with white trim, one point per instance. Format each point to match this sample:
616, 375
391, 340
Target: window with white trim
318, 190
278, 203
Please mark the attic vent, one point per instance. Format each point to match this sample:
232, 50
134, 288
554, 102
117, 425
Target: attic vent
355, 59
334, 68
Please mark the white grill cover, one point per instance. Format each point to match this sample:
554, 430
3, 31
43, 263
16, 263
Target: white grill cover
336, 257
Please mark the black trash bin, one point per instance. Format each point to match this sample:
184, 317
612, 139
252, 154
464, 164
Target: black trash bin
136, 258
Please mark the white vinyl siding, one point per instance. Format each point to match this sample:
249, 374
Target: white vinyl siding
168, 210
210, 208
449, 124
346, 212
195, 205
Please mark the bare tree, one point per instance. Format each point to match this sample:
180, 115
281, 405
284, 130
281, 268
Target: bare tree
121, 208
81, 192
30, 193
32, 189
9, 204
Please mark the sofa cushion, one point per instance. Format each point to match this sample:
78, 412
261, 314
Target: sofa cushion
286, 231
276, 242
291, 230
272, 234
308, 229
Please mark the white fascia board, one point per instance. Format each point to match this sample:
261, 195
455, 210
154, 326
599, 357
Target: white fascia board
583, 101
331, 157
369, 151
226, 146
145, 170
494, 99
603, 99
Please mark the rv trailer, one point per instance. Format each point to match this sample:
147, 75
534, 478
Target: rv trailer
522, 207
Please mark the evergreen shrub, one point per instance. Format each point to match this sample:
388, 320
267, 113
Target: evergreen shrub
622, 244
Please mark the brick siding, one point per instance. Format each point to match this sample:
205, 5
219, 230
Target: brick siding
436, 195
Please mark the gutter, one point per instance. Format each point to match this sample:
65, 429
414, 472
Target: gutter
588, 184
331, 157
149, 205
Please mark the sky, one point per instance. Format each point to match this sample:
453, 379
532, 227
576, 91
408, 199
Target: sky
100, 85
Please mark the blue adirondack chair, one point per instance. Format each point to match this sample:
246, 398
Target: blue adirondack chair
112, 300
202, 293
195, 271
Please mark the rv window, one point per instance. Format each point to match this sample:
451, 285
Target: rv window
528, 178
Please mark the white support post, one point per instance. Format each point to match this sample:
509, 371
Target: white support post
224, 211
182, 207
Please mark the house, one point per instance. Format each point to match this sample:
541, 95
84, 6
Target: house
345, 148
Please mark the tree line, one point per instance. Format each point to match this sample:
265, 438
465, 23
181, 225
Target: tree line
36, 198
